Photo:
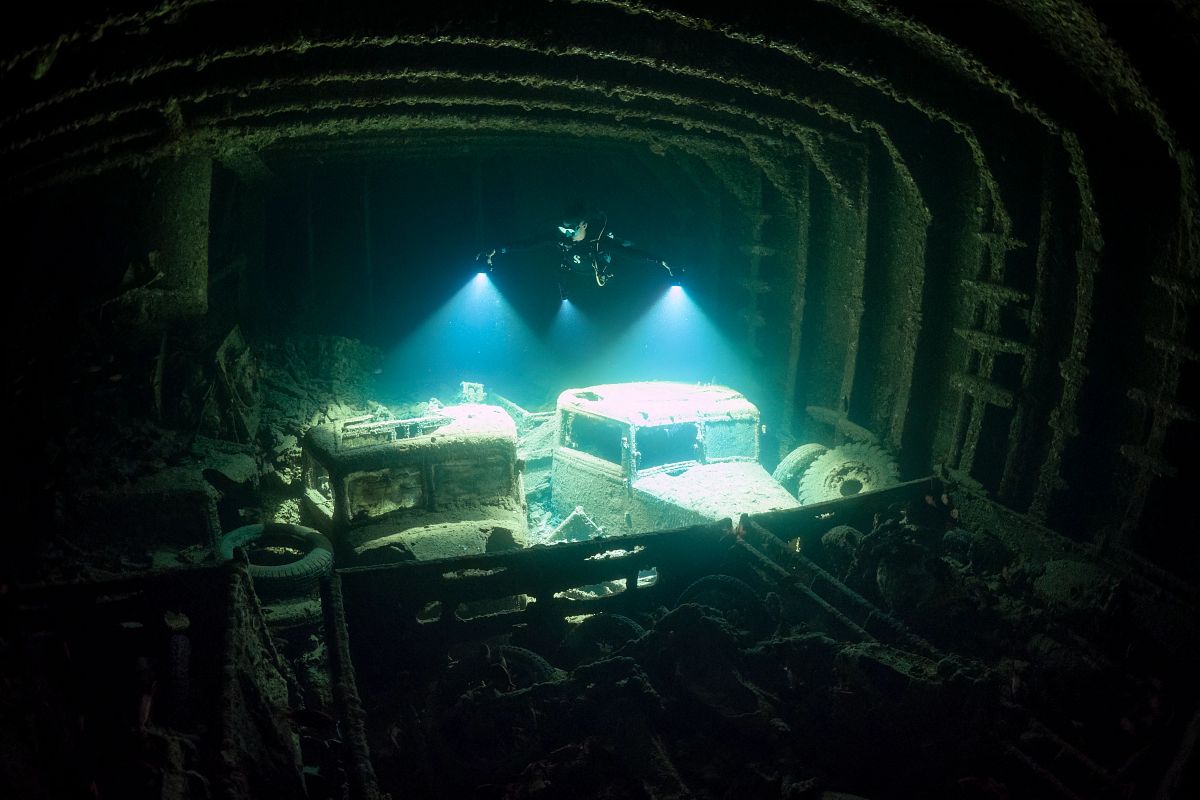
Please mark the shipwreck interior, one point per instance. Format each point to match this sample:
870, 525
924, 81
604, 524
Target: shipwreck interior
954, 244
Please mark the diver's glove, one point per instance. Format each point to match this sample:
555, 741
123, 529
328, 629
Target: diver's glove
487, 257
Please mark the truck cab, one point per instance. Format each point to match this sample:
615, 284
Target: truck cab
441, 485
654, 455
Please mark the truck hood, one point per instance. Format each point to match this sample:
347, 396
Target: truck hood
469, 530
717, 491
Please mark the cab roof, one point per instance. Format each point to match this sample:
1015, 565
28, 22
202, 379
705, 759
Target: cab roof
460, 426
645, 403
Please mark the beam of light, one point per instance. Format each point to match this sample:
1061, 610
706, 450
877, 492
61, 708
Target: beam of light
569, 324
571, 339
674, 340
474, 336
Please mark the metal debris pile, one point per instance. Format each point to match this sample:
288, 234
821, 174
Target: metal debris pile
892, 646
718, 697
167, 687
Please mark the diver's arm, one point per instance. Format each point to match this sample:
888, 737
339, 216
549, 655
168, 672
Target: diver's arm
512, 247
626, 249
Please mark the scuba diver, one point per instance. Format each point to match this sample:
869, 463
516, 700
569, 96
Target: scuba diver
587, 247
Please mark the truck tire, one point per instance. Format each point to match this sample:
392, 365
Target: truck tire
503, 668
525, 667
598, 636
288, 579
480, 723
847, 471
793, 466
736, 601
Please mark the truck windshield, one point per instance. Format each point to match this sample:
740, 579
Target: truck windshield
482, 480
666, 444
596, 437
379, 492
728, 439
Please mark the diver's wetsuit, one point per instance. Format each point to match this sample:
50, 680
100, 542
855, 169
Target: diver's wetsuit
595, 255
592, 255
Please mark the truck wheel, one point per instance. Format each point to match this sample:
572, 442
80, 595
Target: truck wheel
480, 723
286, 560
795, 464
846, 471
503, 668
736, 601
524, 667
598, 637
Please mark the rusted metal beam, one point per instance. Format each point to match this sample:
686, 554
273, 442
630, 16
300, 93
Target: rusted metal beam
991, 343
803, 221
987, 291
1087, 267
984, 390
831, 598
842, 424
1031, 407
361, 772
1166, 408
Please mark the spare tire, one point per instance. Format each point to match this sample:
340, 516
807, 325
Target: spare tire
290, 577
847, 471
793, 466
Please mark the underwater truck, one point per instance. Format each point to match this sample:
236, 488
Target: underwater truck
655, 455
442, 485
